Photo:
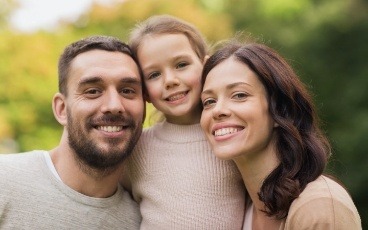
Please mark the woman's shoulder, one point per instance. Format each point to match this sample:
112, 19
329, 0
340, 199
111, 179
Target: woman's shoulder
323, 204
324, 188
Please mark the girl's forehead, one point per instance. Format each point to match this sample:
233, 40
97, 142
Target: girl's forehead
167, 39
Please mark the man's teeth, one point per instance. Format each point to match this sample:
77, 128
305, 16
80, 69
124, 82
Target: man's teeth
176, 97
224, 131
110, 129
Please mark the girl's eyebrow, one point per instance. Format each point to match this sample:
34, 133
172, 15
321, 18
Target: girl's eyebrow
175, 58
149, 68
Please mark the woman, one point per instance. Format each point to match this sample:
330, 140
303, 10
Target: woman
258, 113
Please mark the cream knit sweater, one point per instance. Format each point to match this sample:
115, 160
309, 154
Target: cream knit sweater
180, 184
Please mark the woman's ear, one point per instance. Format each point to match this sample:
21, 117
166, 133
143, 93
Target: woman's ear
59, 108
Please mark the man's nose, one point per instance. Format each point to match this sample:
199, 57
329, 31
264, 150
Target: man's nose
113, 102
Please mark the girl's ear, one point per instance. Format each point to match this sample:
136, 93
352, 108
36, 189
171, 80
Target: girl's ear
275, 124
205, 59
59, 108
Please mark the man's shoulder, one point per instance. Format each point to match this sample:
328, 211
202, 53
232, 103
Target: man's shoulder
20, 158
14, 163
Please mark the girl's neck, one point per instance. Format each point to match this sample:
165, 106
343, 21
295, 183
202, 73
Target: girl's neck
188, 119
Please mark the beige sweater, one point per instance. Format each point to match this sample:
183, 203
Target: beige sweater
180, 184
323, 205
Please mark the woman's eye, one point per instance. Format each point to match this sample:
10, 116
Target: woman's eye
153, 75
208, 102
240, 95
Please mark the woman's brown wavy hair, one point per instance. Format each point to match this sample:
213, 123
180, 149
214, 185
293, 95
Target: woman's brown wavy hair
302, 148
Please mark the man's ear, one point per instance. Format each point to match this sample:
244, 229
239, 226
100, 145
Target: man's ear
59, 108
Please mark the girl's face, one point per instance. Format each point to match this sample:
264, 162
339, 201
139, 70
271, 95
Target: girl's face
235, 117
172, 73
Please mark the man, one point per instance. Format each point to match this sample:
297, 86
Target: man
75, 185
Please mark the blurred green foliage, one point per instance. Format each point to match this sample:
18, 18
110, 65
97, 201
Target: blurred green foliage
325, 41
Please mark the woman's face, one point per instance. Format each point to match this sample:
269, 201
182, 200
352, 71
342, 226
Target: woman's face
235, 118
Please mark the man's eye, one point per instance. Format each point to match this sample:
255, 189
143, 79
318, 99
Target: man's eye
128, 91
92, 91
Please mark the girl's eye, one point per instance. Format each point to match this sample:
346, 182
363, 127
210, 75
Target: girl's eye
153, 75
181, 65
240, 95
208, 102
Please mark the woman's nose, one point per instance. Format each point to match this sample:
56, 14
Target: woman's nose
220, 110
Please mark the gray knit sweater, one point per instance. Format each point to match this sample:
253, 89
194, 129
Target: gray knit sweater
32, 198
180, 184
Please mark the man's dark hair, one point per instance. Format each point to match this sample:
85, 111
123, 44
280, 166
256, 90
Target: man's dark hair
90, 43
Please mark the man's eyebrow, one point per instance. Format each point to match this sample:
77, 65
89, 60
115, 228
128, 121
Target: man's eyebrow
98, 79
131, 80
90, 80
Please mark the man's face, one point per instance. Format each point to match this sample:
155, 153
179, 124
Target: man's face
104, 107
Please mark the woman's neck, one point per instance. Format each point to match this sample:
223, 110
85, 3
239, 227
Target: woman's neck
254, 170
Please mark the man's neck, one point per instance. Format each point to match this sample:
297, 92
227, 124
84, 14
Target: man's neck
84, 179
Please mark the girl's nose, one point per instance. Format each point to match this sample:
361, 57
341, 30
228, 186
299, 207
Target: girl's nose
171, 80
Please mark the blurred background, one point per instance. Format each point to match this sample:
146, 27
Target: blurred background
325, 41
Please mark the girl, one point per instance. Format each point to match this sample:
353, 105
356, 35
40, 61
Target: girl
175, 178
259, 114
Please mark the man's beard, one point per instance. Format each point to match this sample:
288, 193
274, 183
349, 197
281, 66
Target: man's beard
93, 159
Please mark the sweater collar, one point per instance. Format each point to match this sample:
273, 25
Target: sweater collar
179, 133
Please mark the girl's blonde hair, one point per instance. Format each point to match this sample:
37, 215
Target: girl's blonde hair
166, 24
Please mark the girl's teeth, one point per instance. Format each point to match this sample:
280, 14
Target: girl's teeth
176, 97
